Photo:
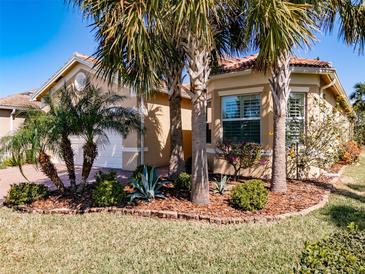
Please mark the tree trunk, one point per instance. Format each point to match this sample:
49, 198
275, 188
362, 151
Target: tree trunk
177, 163
279, 82
48, 168
199, 70
90, 153
68, 158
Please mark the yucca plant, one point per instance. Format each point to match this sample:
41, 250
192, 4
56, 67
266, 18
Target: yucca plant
148, 186
221, 184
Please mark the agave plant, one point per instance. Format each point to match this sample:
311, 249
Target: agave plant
147, 186
221, 184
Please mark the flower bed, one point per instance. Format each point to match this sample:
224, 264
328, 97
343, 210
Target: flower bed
301, 198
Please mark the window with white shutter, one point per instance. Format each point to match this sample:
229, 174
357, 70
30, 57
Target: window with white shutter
295, 120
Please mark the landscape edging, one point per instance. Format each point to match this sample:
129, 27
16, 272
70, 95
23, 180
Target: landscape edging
175, 215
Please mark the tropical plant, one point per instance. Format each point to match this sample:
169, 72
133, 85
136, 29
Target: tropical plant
33, 140
107, 191
221, 184
138, 172
99, 112
250, 195
358, 97
239, 155
147, 187
25, 193
342, 252
65, 123
183, 182
129, 32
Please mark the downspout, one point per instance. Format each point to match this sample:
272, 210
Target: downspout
12, 119
142, 132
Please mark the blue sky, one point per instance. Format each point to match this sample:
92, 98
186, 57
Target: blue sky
38, 36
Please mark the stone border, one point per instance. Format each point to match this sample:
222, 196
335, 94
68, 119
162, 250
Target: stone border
174, 215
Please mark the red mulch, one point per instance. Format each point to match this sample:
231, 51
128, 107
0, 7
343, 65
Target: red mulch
300, 195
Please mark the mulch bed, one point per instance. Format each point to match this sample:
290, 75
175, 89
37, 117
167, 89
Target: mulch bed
300, 196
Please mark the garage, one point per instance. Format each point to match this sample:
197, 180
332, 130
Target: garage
110, 154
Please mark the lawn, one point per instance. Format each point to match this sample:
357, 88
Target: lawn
113, 243
358, 173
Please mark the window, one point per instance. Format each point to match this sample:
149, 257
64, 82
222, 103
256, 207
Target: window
241, 118
295, 117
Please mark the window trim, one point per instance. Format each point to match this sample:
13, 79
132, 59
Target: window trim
259, 94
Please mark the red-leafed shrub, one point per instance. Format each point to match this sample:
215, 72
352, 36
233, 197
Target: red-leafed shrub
349, 152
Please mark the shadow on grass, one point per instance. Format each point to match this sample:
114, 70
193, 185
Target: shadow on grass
357, 187
343, 215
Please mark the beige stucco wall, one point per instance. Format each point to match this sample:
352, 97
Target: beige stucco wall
257, 83
157, 133
5, 122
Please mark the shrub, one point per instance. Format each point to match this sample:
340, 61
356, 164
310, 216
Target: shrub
25, 193
147, 187
107, 191
343, 252
239, 156
349, 152
251, 195
183, 181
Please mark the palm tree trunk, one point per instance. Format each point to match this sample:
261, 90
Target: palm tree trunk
90, 153
68, 157
199, 70
177, 163
279, 82
48, 168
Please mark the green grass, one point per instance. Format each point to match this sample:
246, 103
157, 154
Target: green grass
357, 171
113, 243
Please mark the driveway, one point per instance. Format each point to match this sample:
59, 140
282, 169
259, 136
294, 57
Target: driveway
12, 175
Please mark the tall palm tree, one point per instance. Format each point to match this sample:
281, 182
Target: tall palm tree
130, 29
33, 140
276, 28
99, 112
358, 97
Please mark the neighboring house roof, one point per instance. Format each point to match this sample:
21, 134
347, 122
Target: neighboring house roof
19, 101
248, 62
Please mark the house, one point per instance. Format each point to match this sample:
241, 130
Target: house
241, 108
11, 111
152, 147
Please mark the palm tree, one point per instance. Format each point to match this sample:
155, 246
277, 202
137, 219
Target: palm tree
99, 112
64, 117
276, 28
128, 33
358, 97
33, 140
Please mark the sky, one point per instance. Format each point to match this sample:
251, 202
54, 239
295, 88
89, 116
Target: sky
38, 36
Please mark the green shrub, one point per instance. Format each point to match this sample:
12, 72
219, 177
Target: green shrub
183, 181
107, 191
25, 193
343, 252
147, 186
9, 162
251, 195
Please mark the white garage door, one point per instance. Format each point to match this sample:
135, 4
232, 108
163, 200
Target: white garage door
109, 154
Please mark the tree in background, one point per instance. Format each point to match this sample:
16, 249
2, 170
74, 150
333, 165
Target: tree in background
358, 98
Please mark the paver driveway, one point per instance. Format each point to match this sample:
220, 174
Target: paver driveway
12, 175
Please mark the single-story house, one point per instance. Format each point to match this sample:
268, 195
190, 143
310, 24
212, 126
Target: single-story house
240, 108
11, 111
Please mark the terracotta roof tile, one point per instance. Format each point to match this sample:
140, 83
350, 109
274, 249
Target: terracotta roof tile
248, 62
19, 100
